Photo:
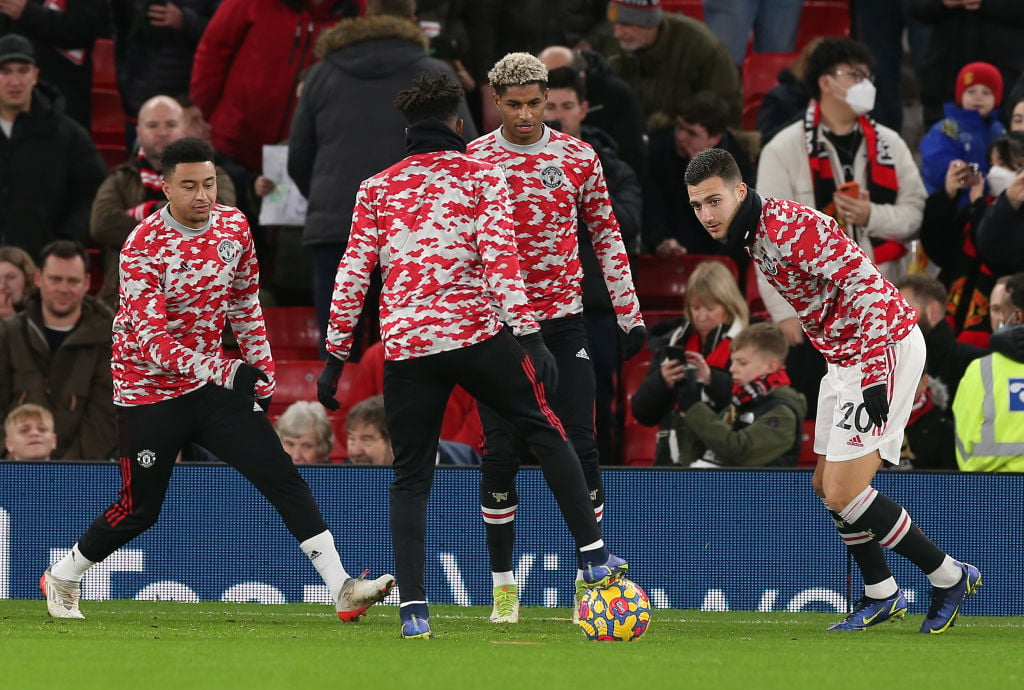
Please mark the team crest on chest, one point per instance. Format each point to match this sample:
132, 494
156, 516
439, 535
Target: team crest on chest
146, 459
227, 250
552, 176
769, 266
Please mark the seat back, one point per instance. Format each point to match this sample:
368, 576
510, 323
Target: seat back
293, 332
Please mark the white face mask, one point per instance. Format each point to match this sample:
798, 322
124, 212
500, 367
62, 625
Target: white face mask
861, 97
999, 178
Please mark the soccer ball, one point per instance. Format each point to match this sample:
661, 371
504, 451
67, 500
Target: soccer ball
619, 612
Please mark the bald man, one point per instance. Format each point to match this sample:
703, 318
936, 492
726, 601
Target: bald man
133, 190
614, 107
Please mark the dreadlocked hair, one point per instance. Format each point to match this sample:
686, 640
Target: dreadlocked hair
433, 96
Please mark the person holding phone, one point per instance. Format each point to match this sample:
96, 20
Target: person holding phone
692, 354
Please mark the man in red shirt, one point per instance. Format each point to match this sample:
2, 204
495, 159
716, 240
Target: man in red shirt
186, 270
875, 352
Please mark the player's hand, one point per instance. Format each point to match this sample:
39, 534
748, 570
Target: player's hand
327, 382
876, 404
543, 360
633, 341
246, 376
792, 330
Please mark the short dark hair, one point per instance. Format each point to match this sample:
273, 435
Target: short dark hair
369, 412
924, 286
765, 337
712, 163
187, 150
432, 96
1015, 290
833, 51
707, 109
64, 249
567, 78
406, 9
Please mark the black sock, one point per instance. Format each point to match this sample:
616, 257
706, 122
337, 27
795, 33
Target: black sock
891, 526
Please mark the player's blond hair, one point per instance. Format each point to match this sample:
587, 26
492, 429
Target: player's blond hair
517, 69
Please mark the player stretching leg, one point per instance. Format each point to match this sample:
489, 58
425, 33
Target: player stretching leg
875, 353
185, 270
556, 182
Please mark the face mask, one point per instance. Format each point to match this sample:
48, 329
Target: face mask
999, 178
861, 97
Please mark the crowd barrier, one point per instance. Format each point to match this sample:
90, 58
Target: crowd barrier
756, 540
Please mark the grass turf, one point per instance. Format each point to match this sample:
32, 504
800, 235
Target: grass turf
213, 645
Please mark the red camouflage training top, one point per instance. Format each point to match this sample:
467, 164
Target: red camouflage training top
556, 182
848, 310
178, 285
439, 225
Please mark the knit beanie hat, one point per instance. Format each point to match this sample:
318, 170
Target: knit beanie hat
979, 73
636, 12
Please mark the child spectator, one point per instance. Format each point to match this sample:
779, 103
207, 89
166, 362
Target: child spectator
762, 427
29, 433
715, 313
17, 274
306, 433
970, 125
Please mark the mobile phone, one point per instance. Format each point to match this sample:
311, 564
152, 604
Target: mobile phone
675, 352
851, 188
975, 169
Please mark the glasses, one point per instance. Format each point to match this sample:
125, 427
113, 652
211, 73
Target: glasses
857, 75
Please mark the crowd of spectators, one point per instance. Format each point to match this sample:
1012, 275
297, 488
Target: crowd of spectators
645, 85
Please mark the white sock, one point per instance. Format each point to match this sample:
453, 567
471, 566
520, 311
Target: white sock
72, 566
881, 590
324, 557
505, 578
579, 576
947, 574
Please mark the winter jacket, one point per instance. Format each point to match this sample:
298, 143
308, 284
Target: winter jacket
1000, 238
616, 110
247, 66
784, 172
111, 221
782, 105
74, 382
49, 172
766, 433
63, 41
992, 34
337, 142
155, 60
948, 358
686, 58
963, 134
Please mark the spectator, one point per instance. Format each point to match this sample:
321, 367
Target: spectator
29, 434
134, 190
17, 275
443, 23
247, 64
1000, 238
1015, 114
369, 442
671, 228
63, 33
715, 313
762, 426
306, 433
50, 168
997, 313
773, 23
966, 31
155, 46
336, 143
989, 407
613, 107
947, 357
56, 353
667, 58
929, 437
970, 125
786, 103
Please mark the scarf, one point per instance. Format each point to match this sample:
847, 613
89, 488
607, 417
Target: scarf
430, 136
758, 388
152, 185
882, 181
151, 179
922, 406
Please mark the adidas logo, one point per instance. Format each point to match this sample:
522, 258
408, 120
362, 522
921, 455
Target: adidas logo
582, 354
313, 555
856, 442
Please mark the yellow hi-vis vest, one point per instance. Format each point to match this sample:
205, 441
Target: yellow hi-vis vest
989, 413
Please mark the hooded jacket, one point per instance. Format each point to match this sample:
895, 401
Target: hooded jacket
74, 382
247, 66
338, 141
49, 172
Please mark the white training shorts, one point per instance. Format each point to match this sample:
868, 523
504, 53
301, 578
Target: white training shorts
842, 430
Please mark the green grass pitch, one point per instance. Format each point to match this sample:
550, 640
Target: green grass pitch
155, 645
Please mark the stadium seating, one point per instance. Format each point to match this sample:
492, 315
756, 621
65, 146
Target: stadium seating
760, 75
296, 380
293, 332
108, 116
653, 317
661, 283
691, 8
638, 441
807, 457
822, 18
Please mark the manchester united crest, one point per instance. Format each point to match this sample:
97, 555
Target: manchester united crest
227, 250
146, 459
552, 176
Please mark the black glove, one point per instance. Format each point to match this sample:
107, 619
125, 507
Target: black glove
327, 382
246, 376
543, 360
876, 404
687, 391
633, 341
